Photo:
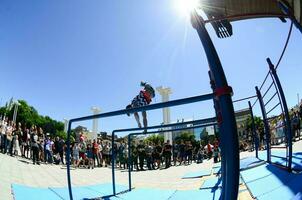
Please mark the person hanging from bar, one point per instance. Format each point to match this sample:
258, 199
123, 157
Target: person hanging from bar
142, 99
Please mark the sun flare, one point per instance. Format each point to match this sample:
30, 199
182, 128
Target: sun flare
185, 7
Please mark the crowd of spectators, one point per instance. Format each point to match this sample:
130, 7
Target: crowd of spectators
33, 144
30, 143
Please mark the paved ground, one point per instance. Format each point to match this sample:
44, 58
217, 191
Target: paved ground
17, 170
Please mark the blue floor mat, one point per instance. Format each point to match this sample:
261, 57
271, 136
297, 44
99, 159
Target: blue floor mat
207, 194
211, 183
214, 183
21, 192
107, 188
147, 194
205, 172
249, 162
279, 157
266, 178
216, 170
89, 191
255, 173
290, 190
78, 193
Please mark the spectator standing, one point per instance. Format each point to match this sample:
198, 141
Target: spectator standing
75, 154
141, 154
182, 153
35, 147
157, 154
167, 153
149, 158
95, 149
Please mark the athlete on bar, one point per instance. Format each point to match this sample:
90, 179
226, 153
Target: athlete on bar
142, 99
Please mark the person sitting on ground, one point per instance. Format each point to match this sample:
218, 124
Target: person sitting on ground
57, 158
142, 99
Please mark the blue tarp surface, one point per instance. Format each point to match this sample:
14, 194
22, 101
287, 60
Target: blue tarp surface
205, 172
271, 182
22, 192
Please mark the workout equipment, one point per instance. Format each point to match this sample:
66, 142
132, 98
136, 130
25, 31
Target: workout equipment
284, 112
220, 13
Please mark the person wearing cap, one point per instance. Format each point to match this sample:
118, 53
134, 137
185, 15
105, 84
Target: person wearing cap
142, 99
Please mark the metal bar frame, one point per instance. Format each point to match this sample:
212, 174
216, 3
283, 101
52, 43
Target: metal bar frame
255, 135
286, 113
226, 116
194, 122
273, 108
271, 98
246, 98
154, 132
269, 87
126, 111
266, 126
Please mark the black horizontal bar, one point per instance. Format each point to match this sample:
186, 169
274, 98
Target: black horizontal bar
271, 99
264, 80
148, 107
194, 122
268, 89
246, 98
177, 129
273, 108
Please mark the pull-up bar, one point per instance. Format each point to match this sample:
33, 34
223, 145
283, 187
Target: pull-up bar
177, 102
203, 122
246, 98
127, 111
154, 132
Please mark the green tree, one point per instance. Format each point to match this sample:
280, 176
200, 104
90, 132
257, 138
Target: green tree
29, 116
155, 139
185, 136
258, 123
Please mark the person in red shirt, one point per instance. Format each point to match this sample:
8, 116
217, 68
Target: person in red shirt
142, 99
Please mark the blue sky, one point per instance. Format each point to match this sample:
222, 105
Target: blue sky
65, 56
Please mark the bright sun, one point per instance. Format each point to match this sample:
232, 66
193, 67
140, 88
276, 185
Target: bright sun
185, 7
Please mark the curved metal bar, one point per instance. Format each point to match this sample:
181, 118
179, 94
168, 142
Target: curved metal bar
177, 129
226, 116
286, 114
266, 126
127, 111
154, 132
273, 108
255, 135
268, 89
194, 122
271, 98
246, 98
148, 107
68, 161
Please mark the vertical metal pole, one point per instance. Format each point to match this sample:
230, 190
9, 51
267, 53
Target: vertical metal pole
217, 113
286, 114
68, 160
113, 165
266, 126
255, 136
129, 161
227, 123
